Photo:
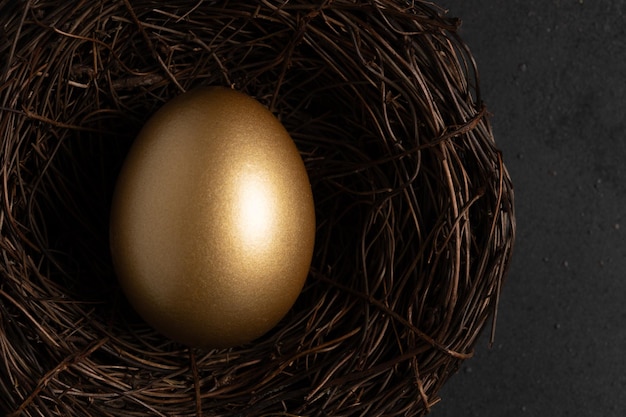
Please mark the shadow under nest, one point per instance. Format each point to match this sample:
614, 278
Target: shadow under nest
414, 205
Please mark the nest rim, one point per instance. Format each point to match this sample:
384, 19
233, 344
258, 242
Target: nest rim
414, 203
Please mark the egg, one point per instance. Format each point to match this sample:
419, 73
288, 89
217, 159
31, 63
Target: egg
212, 221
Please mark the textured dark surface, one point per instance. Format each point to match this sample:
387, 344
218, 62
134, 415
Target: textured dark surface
554, 76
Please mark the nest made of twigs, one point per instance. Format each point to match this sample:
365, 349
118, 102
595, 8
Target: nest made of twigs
414, 205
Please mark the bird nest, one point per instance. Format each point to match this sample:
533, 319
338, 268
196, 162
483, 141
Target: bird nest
414, 205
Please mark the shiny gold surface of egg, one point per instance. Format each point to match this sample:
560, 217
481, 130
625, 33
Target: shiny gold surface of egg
212, 221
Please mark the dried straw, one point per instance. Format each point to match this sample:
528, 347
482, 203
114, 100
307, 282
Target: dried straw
414, 204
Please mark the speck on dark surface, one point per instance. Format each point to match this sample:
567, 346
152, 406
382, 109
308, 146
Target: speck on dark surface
553, 74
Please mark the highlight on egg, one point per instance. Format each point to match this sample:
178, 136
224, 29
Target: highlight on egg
212, 221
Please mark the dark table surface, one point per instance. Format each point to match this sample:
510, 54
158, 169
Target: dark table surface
553, 73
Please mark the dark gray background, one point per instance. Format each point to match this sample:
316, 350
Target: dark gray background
553, 73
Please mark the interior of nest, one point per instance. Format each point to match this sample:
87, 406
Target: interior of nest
413, 203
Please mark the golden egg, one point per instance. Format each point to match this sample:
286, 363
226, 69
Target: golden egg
212, 221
